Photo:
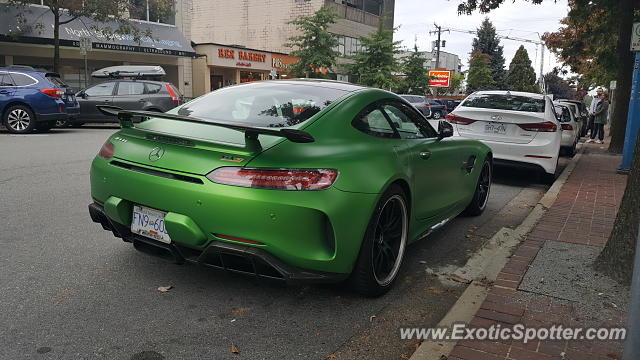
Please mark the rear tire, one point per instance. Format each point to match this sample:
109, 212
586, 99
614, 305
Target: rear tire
383, 246
19, 119
483, 188
437, 115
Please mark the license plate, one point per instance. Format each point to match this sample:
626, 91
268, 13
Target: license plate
149, 223
495, 128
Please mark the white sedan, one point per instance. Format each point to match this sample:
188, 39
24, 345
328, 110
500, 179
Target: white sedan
570, 127
521, 128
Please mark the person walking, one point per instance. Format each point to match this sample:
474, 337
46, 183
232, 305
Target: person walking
600, 118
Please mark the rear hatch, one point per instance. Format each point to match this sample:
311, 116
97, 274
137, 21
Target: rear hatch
490, 117
69, 96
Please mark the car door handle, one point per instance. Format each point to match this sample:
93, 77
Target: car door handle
425, 154
4, 92
106, 101
141, 100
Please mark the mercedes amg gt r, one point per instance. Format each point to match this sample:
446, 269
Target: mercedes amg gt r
300, 180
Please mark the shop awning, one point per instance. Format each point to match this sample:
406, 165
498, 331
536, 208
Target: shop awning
164, 39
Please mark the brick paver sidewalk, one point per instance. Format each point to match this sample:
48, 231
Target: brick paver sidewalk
583, 213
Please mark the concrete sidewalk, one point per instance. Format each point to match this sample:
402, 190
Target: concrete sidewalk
549, 279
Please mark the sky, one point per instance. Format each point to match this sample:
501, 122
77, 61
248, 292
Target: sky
415, 18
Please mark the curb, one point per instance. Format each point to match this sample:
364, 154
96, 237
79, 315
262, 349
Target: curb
485, 266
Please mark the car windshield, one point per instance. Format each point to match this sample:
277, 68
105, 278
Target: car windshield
505, 102
263, 105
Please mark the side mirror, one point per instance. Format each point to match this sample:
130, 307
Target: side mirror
445, 129
81, 94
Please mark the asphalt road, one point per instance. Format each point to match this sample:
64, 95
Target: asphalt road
69, 290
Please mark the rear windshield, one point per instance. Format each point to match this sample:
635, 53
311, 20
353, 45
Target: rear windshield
56, 81
505, 102
263, 105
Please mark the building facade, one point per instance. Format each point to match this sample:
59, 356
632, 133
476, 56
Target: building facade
222, 30
167, 44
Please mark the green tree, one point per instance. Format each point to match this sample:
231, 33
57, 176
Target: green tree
488, 42
417, 79
375, 63
455, 83
521, 76
559, 87
479, 74
315, 46
66, 11
616, 259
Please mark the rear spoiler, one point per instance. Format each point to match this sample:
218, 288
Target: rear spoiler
250, 133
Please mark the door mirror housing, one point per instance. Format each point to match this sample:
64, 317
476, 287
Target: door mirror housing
82, 94
445, 129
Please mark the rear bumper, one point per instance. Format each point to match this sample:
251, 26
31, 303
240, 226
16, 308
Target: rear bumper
568, 138
51, 117
538, 154
219, 255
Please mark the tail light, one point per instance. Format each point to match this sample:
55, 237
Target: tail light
275, 179
427, 104
455, 119
174, 96
546, 126
446, 108
107, 150
566, 127
55, 93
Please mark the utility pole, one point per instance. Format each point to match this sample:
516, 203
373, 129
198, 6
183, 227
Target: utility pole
438, 43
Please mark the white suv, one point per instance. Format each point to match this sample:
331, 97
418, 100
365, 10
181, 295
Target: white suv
521, 128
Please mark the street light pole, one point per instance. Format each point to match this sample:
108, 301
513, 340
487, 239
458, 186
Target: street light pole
633, 118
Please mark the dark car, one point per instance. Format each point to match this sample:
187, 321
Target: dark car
418, 101
131, 93
450, 103
33, 99
438, 109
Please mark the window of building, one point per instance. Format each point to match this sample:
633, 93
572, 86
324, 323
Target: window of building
347, 46
148, 10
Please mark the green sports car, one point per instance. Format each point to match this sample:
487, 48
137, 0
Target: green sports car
299, 180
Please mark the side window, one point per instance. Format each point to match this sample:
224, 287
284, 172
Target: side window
374, 123
104, 89
5, 80
409, 124
22, 80
153, 88
130, 88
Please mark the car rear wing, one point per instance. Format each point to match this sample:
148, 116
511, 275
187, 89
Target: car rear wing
250, 133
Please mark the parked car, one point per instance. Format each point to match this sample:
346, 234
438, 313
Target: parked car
438, 109
33, 99
130, 92
243, 173
420, 103
450, 103
521, 128
570, 128
580, 113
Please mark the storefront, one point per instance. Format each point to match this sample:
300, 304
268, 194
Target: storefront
166, 46
281, 63
223, 65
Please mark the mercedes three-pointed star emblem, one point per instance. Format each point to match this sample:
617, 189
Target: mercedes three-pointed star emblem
156, 154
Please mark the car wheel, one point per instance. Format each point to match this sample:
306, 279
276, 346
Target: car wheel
437, 115
19, 119
383, 245
483, 187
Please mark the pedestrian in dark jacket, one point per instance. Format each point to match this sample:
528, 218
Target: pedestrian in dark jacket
600, 118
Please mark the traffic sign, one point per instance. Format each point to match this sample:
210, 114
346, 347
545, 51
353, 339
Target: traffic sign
440, 78
85, 45
635, 37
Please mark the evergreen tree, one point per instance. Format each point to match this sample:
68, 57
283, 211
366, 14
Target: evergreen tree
487, 42
315, 47
479, 74
375, 63
521, 76
417, 79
